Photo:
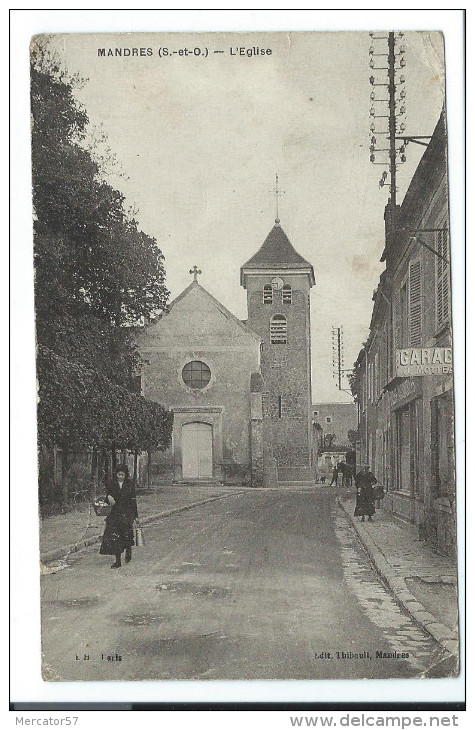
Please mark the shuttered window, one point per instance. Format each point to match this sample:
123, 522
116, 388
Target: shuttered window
278, 330
397, 319
287, 294
443, 279
267, 294
415, 304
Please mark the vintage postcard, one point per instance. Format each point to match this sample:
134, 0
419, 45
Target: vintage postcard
244, 356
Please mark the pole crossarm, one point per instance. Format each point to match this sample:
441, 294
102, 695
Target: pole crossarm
417, 139
426, 245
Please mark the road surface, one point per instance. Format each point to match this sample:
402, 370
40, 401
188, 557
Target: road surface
259, 585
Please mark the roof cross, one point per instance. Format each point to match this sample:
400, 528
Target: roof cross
195, 271
277, 191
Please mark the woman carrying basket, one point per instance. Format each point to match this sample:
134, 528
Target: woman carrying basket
365, 493
119, 532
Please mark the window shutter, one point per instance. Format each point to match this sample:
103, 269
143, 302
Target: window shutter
397, 320
278, 330
443, 281
267, 294
415, 302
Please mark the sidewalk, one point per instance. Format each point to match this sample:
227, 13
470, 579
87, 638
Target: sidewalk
64, 534
423, 581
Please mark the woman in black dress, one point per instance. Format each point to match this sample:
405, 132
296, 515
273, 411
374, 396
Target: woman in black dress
119, 533
364, 493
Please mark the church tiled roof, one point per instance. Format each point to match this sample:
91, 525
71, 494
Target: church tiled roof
278, 253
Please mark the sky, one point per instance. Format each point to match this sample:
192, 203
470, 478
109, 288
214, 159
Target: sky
198, 141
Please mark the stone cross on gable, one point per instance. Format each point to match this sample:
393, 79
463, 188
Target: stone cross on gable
195, 271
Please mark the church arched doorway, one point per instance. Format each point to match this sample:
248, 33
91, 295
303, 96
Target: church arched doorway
197, 450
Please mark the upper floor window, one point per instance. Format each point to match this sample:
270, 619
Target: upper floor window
278, 330
287, 294
443, 278
267, 294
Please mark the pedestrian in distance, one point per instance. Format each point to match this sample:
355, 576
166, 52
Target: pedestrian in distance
364, 493
334, 477
119, 531
347, 474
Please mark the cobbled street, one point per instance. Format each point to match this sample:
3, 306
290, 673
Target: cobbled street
259, 585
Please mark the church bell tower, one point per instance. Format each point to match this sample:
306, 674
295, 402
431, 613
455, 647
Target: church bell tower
278, 282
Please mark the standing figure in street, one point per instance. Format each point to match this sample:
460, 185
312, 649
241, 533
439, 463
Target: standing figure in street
334, 477
119, 533
347, 474
364, 493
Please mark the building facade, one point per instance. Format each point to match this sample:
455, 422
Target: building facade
332, 423
406, 422
337, 419
240, 391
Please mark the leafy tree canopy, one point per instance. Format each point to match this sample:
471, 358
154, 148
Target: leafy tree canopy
95, 273
88, 247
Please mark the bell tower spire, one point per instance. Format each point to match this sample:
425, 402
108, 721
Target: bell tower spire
278, 282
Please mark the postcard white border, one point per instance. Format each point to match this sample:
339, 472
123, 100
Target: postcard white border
27, 684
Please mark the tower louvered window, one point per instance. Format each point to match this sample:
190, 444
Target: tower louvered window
287, 294
267, 294
443, 279
415, 304
278, 330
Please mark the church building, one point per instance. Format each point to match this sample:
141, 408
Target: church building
240, 391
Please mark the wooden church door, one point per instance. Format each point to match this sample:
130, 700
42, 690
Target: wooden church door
197, 450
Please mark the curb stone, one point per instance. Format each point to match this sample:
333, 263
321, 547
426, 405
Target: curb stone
76, 547
446, 638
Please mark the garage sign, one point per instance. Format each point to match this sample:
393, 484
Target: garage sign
423, 361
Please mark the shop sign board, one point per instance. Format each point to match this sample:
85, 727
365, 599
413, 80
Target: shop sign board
423, 361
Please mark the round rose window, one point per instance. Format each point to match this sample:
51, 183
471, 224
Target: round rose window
196, 374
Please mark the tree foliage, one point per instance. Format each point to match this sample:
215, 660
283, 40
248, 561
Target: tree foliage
87, 410
96, 274
88, 248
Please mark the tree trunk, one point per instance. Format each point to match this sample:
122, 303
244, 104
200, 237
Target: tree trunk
135, 467
105, 476
149, 469
46, 472
94, 473
65, 478
114, 459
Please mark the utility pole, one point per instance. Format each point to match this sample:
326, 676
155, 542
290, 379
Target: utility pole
338, 357
392, 126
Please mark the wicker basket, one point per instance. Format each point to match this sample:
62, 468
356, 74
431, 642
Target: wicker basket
101, 507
